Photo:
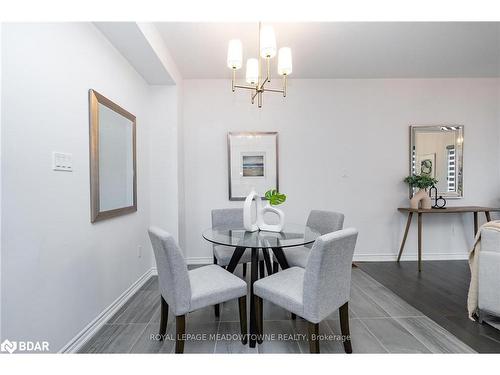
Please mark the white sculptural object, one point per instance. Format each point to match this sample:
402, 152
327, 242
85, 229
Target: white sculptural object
259, 223
248, 224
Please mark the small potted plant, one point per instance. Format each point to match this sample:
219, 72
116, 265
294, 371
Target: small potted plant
423, 182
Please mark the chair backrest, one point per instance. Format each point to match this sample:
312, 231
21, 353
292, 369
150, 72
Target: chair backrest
173, 274
327, 277
227, 218
325, 222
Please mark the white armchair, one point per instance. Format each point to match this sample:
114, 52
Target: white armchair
489, 273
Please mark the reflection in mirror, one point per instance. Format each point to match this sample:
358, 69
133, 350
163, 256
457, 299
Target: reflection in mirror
116, 172
112, 151
437, 151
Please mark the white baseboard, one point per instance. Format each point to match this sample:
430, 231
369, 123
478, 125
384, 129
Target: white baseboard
85, 334
387, 257
410, 257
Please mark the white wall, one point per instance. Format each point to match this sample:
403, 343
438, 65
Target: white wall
1, 119
59, 271
163, 189
344, 146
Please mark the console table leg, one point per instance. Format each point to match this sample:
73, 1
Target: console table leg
419, 242
408, 223
476, 226
488, 217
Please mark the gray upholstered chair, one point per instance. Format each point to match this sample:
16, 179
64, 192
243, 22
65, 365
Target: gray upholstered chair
227, 218
184, 291
316, 291
322, 221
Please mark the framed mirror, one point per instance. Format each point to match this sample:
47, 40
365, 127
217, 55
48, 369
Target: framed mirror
113, 180
438, 152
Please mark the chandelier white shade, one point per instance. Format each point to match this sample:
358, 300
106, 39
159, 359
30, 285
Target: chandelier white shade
267, 42
234, 54
285, 61
253, 76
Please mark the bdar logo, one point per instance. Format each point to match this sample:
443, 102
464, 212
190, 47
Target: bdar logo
8, 346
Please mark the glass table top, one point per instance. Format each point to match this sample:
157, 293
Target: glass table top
291, 235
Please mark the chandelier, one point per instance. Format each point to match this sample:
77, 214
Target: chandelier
267, 50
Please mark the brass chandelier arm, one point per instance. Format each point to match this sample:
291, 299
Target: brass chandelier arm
245, 87
268, 76
275, 90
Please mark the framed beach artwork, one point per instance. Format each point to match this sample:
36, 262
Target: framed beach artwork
253, 163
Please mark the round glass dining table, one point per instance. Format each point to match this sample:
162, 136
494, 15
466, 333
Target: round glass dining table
260, 241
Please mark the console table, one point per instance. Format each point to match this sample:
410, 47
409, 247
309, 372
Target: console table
448, 210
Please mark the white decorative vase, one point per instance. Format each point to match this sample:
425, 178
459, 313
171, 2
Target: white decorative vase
259, 223
271, 227
421, 198
248, 223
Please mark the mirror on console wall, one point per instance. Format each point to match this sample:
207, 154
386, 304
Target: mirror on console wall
113, 186
438, 152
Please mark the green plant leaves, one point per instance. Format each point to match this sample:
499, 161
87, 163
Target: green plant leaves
275, 197
422, 181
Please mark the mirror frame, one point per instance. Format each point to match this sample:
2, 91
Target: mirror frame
95, 213
460, 154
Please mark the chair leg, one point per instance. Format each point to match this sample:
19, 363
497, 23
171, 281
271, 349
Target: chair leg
313, 333
163, 318
275, 267
244, 270
216, 307
242, 302
344, 327
261, 270
259, 319
180, 332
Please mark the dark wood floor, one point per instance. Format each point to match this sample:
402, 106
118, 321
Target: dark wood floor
440, 292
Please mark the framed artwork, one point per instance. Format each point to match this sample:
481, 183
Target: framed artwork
427, 165
253, 163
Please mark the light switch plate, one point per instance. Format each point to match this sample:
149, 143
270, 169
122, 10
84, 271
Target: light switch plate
62, 161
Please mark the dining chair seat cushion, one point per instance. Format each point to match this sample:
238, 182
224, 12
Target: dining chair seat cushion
224, 254
284, 289
212, 284
297, 256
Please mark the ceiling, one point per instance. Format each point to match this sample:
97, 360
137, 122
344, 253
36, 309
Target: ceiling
345, 49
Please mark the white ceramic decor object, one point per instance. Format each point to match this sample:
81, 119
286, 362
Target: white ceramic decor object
421, 198
270, 227
249, 225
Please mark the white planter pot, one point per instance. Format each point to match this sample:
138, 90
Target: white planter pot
271, 227
421, 197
